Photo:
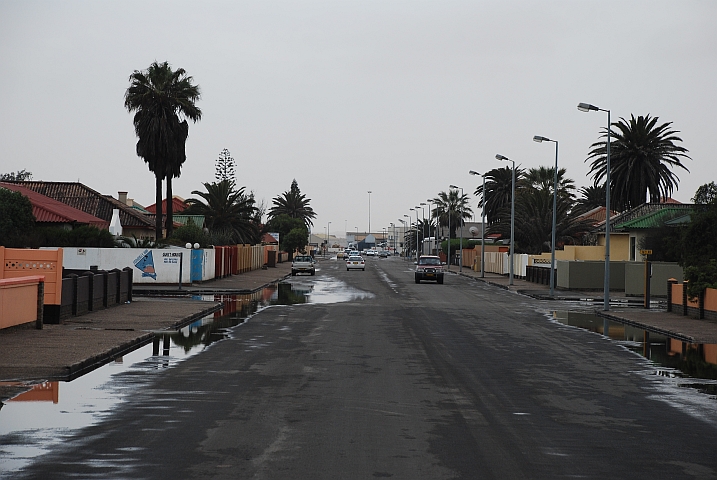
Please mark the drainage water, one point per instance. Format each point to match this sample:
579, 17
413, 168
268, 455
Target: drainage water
40, 418
696, 363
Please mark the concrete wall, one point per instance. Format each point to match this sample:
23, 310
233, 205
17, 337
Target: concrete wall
23, 262
150, 265
590, 275
619, 246
19, 300
661, 271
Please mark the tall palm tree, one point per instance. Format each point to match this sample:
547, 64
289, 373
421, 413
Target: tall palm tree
642, 156
159, 96
294, 204
499, 191
453, 205
226, 211
542, 178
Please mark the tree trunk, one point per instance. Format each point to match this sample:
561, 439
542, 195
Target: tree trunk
158, 210
170, 214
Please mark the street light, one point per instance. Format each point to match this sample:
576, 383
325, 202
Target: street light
404, 229
460, 221
430, 226
482, 228
540, 139
369, 212
586, 107
512, 217
394, 237
423, 227
328, 233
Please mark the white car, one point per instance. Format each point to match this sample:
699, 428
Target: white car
370, 253
303, 264
355, 262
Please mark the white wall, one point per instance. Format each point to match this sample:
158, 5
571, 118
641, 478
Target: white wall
159, 265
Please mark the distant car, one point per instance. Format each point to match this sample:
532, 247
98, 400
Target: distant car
354, 253
341, 255
355, 262
429, 267
303, 264
383, 254
370, 253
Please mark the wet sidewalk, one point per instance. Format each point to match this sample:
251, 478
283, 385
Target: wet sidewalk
623, 309
80, 344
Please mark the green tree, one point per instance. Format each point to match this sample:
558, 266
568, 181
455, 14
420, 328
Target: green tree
19, 176
642, 156
706, 194
293, 233
159, 96
225, 168
451, 204
590, 197
699, 248
16, 218
227, 212
499, 191
294, 204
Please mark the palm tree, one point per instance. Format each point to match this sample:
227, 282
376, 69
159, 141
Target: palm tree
590, 197
642, 155
534, 221
227, 212
294, 204
499, 191
542, 178
159, 96
453, 205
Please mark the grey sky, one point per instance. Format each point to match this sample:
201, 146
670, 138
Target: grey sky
398, 97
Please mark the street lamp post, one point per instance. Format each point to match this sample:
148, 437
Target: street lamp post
405, 230
328, 234
482, 228
369, 212
512, 217
423, 227
540, 139
460, 222
430, 226
415, 209
586, 107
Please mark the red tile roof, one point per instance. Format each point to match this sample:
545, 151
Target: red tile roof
83, 198
178, 205
48, 210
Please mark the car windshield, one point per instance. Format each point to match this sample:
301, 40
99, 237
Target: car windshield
429, 261
302, 259
355, 259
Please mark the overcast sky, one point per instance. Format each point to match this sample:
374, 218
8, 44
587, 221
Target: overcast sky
401, 98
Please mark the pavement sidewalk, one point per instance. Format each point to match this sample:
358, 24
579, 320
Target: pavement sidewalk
629, 310
80, 344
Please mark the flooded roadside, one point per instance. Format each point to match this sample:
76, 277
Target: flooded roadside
694, 363
42, 417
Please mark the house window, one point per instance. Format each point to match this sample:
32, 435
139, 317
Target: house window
632, 249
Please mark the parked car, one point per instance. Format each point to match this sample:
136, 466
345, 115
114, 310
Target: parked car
429, 267
303, 264
355, 262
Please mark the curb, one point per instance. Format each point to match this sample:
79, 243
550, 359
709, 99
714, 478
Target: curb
648, 328
80, 368
203, 291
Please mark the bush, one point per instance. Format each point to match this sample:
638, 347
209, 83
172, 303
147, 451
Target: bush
189, 234
85, 236
16, 219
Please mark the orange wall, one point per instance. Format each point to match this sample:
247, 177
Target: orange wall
711, 300
23, 262
18, 300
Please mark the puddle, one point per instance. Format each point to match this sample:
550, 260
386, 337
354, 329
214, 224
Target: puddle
694, 362
34, 422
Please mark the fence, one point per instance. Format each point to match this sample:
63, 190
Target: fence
24, 262
497, 262
21, 301
704, 306
88, 291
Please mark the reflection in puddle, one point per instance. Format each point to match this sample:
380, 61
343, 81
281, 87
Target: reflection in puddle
41, 417
678, 359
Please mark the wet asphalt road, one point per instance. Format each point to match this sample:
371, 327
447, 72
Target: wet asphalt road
460, 380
